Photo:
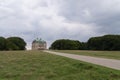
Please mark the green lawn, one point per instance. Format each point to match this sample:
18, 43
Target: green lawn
104, 54
37, 65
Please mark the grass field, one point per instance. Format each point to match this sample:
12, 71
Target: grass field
104, 54
37, 65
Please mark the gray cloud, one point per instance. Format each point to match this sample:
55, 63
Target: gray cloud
104, 13
57, 19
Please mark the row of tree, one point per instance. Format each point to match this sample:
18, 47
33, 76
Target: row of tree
12, 43
107, 42
65, 44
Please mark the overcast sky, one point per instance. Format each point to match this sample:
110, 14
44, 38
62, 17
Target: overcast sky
58, 19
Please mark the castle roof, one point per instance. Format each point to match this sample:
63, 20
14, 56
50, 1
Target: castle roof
39, 41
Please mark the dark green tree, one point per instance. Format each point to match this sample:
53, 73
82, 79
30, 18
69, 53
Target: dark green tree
65, 44
15, 43
83, 46
11, 46
2, 43
107, 42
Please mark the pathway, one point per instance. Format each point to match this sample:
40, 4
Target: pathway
111, 63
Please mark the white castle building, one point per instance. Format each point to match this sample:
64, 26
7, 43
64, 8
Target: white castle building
39, 44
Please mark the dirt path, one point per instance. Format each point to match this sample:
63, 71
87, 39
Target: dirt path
111, 63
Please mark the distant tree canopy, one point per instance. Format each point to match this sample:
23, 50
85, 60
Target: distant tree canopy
65, 44
12, 43
83, 46
2, 43
107, 42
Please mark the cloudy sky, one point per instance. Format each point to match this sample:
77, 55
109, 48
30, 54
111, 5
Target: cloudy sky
58, 19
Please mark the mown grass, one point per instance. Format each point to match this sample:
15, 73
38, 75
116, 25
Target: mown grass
104, 54
37, 65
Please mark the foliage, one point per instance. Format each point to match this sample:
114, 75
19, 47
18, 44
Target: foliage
12, 43
11, 46
83, 46
2, 43
65, 44
17, 43
107, 42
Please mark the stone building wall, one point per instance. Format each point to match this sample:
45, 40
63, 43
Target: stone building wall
39, 44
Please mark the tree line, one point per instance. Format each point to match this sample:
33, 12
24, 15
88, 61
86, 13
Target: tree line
65, 44
12, 43
106, 42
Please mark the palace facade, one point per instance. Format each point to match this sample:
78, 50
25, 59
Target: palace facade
39, 44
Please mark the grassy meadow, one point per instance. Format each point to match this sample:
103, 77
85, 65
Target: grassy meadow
104, 54
38, 65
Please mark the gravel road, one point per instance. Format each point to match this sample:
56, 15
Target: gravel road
110, 63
